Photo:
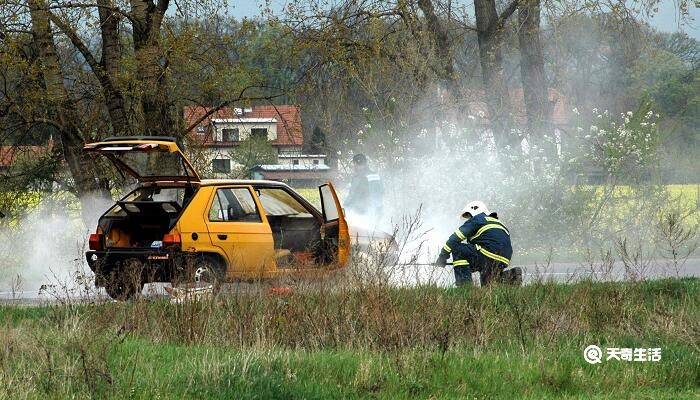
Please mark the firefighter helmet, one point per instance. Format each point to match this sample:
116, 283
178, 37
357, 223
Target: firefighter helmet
359, 159
474, 208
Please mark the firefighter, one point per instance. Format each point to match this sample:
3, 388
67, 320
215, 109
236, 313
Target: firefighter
481, 244
366, 190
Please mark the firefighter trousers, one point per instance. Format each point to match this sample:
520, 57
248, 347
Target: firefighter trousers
467, 259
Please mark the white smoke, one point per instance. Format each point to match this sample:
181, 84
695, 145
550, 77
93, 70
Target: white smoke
43, 250
438, 169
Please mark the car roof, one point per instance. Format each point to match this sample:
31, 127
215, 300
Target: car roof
221, 182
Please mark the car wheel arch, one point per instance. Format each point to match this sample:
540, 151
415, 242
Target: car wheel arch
217, 258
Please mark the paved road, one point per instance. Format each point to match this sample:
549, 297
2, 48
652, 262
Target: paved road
407, 275
559, 272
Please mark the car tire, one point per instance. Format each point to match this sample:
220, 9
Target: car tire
209, 269
123, 289
127, 283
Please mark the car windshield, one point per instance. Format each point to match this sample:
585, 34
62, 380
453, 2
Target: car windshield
279, 202
155, 164
151, 193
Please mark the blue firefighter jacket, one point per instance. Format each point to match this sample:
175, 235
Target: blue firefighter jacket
365, 193
490, 237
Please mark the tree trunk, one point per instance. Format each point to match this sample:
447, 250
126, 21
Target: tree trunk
87, 188
158, 115
113, 96
491, 60
111, 58
532, 70
443, 47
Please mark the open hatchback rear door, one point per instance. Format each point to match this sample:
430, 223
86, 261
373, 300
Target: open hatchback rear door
335, 229
147, 158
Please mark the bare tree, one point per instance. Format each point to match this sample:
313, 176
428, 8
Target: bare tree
108, 67
158, 113
489, 25
61, 112
532, 68
443, 45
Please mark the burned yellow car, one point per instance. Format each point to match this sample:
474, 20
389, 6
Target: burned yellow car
177, 226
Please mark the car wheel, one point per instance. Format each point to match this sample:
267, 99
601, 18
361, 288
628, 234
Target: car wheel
199, 271
127, 283
208, 271
121, 291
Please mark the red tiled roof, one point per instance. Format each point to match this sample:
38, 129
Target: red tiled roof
288, 121
10, 154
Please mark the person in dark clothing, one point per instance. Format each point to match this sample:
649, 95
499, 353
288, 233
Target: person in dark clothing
481, 244
366, 190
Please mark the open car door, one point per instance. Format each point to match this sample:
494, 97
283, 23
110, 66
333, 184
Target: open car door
334, 231
147, 158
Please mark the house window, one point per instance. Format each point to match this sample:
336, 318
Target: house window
258, 133
315, 162
221, 166
295, 162
201, 130
229, 135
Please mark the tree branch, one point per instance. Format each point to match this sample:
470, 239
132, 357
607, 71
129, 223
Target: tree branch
76, 41
503, 18
90, 6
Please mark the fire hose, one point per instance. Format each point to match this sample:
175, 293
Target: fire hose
450, 264
430, 264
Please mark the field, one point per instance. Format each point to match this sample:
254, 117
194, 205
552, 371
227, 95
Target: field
360, 338
361, 342
688, 197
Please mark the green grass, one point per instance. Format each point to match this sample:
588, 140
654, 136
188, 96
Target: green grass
361, 342
222, 372
15, 315
311, 195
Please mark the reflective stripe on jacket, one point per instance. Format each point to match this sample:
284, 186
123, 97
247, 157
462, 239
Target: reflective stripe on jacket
488, 234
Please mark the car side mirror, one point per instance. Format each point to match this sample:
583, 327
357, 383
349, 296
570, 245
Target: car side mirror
231, 214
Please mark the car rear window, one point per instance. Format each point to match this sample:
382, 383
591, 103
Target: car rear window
150, 193
155, 164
